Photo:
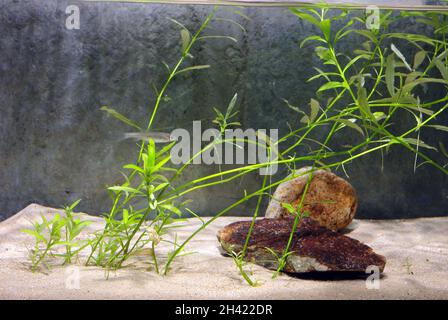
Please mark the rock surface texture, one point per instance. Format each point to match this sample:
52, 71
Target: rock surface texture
330, 200
315, 248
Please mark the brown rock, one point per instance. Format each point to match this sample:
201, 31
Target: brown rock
330, 200
315, 248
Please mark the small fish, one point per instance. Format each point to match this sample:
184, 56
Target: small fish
158, 137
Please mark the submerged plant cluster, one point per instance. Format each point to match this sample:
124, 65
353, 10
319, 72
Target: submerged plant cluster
363, 93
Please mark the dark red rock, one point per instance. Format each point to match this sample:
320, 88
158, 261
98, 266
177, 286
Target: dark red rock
315, 248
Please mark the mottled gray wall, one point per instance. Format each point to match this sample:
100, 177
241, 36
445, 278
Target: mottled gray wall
56, 146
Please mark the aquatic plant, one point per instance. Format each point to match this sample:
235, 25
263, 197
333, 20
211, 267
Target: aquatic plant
121, 238
378, 84
51, 236
364, 93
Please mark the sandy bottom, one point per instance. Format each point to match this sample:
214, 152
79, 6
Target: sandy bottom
416, 252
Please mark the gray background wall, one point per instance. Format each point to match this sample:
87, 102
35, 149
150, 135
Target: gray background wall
56, 146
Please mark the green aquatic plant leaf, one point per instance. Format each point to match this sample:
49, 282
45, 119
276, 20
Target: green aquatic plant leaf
354, 60
35, 234
121, 117
379, 115
231, 106
240, 26
233, 39
351, 124
186, 38
306, 16
311, 38
390, 74
294, 108
419, 58
331, 85
368, 34
165, 149
325, 55
364, 103
419, 143
315, 107
199, 67
408, 87
325, 26
438, 127
400, 56
323, 74
442, 67
178, 23
413, 38
125, 189
133, 167
172, 208
443, 149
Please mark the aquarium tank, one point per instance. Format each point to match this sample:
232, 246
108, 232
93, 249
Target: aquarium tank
207, 149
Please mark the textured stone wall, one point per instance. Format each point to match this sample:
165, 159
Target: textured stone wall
56, 146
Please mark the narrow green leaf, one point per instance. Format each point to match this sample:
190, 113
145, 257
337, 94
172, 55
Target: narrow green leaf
120, 117
379, 115
160, 164
419, 58
351, 124
35, 234
133, 167
311, 38
307, 17
161, 186
125, 189
368, 34
73, 206
288, 207
439, 127
305, 119
407, 88
178, 23
419, 143
199, 67
315, 107
413, 38
165, 149
331, 85
231, 105
442, 68
186, 38
125, 215
325, 26
401, 56
151, 160
390, 74
171, 208
354, 60
363, 103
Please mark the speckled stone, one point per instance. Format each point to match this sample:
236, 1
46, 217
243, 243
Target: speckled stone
313, 248
330, 200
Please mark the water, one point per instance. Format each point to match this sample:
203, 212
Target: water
57, 146
385, 4
232, 100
